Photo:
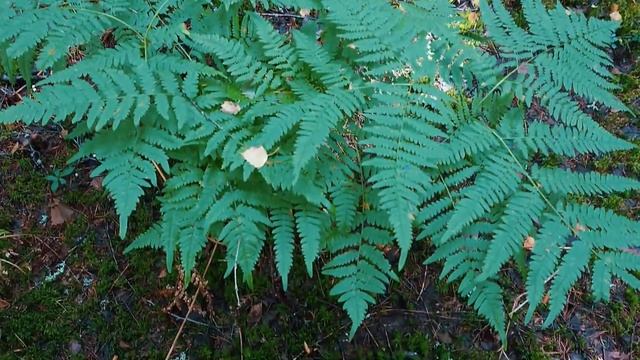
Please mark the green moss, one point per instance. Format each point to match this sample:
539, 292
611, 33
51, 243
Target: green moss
5, 219
86, 198
43, 321
28, 186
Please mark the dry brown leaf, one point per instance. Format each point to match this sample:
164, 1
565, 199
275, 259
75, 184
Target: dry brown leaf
96, 182
229, 107
529, 243
15, 148
545, 299
255, 314
60, 213
256, 156
4, 304
307, 349
163, 274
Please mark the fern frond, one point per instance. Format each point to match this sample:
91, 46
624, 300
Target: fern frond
283, 236
591, 183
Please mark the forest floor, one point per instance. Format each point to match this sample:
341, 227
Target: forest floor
67, 291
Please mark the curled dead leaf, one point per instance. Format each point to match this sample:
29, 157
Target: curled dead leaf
229, 107
255, 314
545, 299
307, 349
523, 68
60, 213
615, 16
473, 17
579, 228
256, 156
4, 304
304, 12
529, 243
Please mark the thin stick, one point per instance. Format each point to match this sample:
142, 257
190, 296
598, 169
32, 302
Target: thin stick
241, 344
14, 265
164, 178
193, 301
235, 275
282, 15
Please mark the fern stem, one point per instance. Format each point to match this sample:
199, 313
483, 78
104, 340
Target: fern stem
114, 18
531, 180
505, 78
146, 33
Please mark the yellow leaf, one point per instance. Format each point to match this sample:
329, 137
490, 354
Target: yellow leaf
256, 156
229, 107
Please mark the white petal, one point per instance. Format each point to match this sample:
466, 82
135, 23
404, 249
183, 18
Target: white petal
256, 156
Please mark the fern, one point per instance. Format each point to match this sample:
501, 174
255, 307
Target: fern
381, 125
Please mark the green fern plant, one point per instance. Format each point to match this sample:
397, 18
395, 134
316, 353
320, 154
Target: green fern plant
377, 124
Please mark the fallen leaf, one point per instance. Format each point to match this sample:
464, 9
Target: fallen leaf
545, 299
185, 29
616, 355
4, 304
473, 17
529, 243
615, 16
15, 148
307, 349
444, 337
304, 12
60, 213
579, 228
255, 314
256, 156
124, 345
229, 107
96, 182
523, 68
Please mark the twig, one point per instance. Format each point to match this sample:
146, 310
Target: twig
372, 337
193, 301
282, 15
235, 274
164, 178
178, 317
14, 265
241, 344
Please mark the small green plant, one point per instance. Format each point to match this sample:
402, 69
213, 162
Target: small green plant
375, 123
57, 177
